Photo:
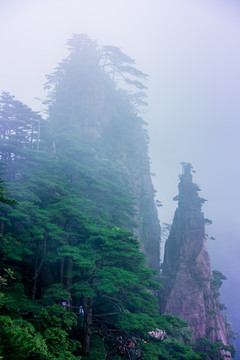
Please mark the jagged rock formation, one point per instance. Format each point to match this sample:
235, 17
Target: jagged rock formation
186, 268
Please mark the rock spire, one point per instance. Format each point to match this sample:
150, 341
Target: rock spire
186, 269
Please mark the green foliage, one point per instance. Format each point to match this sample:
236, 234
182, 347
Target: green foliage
216, 282
55, 325
98, 350
180, 351
209, 350
77, 195
19, 128
54, 294
3, 198
19, 340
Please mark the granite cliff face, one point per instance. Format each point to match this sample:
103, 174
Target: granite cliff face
124, 142
103, 119
186, 268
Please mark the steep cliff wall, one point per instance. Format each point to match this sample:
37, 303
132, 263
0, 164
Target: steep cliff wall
125, 143
186, 268
88, 104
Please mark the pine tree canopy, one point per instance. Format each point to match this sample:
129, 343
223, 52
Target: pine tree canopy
70, 237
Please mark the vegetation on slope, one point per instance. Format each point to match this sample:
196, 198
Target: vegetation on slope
65, 240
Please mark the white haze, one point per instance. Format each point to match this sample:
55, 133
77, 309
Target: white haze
191, 51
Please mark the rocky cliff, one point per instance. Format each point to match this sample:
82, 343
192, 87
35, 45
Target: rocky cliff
102, 117
186, 268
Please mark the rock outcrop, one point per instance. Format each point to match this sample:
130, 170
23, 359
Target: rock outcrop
103, 119
186, 268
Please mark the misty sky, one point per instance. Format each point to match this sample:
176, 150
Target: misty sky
191, 50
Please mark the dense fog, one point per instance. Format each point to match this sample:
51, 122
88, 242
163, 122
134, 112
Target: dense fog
191, 52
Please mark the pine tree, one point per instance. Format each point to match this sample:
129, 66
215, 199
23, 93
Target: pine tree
68, 238
19, 127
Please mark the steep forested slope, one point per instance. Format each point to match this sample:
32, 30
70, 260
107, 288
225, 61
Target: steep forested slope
81, 180
88, 107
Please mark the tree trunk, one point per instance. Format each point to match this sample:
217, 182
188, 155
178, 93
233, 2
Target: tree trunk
87, 306
62, 270
38, 265
2, 226
69, 270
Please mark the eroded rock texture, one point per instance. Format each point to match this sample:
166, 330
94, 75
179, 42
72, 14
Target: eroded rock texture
186, 268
